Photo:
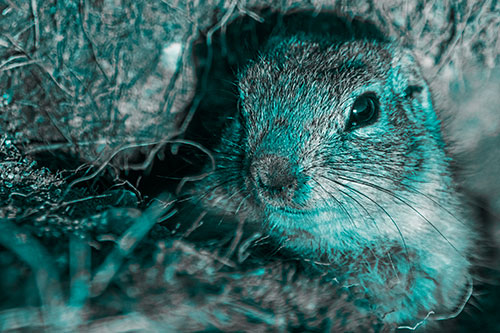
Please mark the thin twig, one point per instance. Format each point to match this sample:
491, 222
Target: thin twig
34, 11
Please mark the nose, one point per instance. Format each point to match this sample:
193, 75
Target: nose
274, 176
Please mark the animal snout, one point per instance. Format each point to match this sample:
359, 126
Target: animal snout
274, 177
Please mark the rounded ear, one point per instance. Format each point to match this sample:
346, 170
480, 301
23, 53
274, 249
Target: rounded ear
409, 83
407, 78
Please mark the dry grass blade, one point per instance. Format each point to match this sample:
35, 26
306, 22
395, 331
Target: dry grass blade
125, 245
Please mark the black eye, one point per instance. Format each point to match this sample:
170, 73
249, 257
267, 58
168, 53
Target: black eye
364, 111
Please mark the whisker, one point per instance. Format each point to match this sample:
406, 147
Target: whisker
354, 180
377, 204
234, 243
348, 195
338, 202
408, 186
212, 189
359, 204
241, 203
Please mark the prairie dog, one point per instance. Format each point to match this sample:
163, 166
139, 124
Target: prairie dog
336, 152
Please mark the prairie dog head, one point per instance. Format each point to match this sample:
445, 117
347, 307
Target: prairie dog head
337, 151
341, 143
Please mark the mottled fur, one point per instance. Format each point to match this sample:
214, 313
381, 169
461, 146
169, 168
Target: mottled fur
378, 202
